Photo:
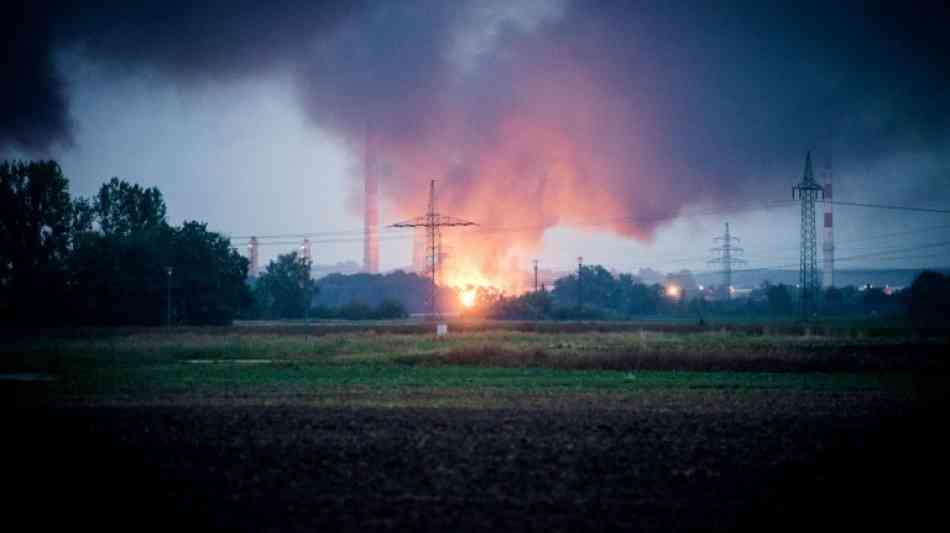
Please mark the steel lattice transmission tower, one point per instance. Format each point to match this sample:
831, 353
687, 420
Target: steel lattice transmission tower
433, 222
808, 191
727, 258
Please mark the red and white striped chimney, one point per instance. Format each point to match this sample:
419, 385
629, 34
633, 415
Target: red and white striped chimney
828, 244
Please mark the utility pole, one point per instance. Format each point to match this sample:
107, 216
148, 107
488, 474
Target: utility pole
433, 222
580, 285
536, 275
306, 260
168, 270
727, 252
808, 191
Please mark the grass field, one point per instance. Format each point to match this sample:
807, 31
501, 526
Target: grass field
528, 428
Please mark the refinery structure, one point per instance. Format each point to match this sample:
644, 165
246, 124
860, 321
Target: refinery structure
429, 253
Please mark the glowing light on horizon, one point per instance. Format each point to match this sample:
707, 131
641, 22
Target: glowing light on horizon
467, 297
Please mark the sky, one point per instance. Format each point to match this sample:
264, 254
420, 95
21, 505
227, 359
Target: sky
624, 132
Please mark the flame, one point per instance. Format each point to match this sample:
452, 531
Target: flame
558, 156
467, 297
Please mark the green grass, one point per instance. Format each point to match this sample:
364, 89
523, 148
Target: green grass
158, 362
387, 347
182, 378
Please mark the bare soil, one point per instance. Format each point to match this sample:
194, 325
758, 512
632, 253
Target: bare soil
664, 460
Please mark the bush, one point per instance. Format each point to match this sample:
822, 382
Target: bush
390, 309
356, 310
930, 298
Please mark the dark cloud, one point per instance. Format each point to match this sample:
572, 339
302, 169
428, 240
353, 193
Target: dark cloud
187, 41
641, 107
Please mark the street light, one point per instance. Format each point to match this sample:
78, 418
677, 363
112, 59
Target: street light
580, 286
674, 291
169, 270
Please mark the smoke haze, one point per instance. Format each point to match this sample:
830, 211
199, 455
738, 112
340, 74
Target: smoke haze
540, 113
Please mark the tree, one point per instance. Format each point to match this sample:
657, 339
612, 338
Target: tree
36, 216
409, 289
118, 273
535, 305
644, 300
123, 209
930, 298
208, 276
780, 299
286, 286
390, 309
597, 288
833, 301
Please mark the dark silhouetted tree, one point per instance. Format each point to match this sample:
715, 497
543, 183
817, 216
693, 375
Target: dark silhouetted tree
118, 272
122, 208
208, 276
779, 299
36, 216
930, 298
286, 286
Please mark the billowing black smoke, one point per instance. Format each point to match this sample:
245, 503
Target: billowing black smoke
578, 109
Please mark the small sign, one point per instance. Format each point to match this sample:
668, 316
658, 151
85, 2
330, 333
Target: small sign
441, 330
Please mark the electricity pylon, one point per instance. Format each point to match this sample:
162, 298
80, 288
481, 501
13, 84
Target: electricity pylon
727, 252
433, 222
808, 191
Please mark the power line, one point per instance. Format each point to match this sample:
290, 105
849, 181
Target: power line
630, 219
858, 256
890, 207
330, 241
496, 229
767, 253
433, 222
643, 220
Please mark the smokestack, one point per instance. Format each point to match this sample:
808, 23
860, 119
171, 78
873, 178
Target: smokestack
371, 210
828, 246
252, 257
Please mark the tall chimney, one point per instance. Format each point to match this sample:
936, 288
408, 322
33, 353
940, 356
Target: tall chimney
252, 258
828, 246
371, 210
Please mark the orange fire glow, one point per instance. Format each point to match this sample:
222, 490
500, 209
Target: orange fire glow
467, 297
532, 171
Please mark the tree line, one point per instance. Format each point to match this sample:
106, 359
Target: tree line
112, 259
597, 294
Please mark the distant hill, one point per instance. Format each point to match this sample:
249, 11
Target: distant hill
318, 271
857, 277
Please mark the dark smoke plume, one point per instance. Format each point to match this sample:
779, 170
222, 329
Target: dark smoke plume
534, 114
